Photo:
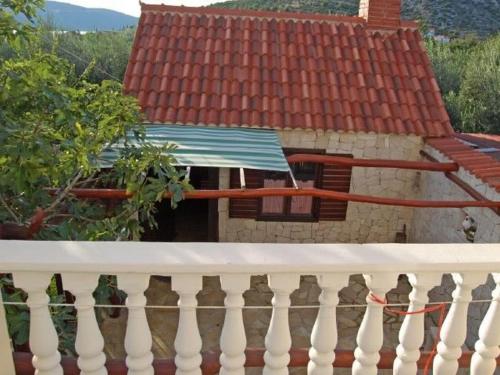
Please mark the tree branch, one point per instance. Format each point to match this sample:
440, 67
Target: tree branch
65, 192
10, 210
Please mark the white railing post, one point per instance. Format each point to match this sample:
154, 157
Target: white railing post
43, 336
411, 334
138, 340
89, 342
324, 333
233, 340
6, 360
187, 340
454, 330
371, 333
487, 347
278, 339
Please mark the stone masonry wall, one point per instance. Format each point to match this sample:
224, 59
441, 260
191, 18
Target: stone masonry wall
432, 225
364, 222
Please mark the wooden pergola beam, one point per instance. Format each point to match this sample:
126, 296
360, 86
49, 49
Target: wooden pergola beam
291, 192
373, 163
447, 168
460, 183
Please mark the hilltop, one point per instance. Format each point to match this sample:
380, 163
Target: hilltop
71, 17
446, 17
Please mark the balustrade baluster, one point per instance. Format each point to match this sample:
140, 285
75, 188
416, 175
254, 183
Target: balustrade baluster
6, 360
371, 334
324, 333
233, 340
89, 342
487, 347
411, 334
43, 336
278, 339
138, 341
454, 328
187, 340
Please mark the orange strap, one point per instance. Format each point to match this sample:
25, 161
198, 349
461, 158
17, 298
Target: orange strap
441, 307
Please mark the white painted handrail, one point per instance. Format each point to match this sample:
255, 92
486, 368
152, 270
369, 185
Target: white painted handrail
80, 263
219, 258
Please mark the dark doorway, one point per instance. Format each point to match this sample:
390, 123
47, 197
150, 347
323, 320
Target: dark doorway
194, 220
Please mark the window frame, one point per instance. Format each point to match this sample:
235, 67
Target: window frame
287, 216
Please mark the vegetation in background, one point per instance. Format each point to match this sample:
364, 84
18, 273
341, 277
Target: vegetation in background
454, 18
10, 28
108, 50
468, 72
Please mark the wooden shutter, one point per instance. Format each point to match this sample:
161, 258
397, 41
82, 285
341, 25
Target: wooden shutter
245, 208
336, 178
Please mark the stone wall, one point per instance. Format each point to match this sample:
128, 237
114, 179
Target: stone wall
432, 225
364, 222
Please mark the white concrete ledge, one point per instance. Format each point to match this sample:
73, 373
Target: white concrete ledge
220, 258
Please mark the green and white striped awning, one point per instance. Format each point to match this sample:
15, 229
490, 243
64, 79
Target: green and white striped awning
213, 147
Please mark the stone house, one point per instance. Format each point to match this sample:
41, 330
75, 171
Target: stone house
360, 87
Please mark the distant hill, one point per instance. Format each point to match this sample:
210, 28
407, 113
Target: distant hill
447, 17
71, 17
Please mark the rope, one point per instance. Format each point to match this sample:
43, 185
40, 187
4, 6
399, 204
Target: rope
439, 306
259, 307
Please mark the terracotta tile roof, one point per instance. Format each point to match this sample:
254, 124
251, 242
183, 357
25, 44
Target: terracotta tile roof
483, 142
482, 165
282, 70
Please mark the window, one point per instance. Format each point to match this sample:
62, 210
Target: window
291, 208
327, 176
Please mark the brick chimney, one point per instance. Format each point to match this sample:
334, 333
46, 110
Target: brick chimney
381, 14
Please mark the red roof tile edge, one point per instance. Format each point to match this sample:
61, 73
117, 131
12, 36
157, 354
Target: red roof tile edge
405, 24
482, 166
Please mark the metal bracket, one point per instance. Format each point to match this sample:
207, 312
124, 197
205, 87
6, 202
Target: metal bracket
242, 179
294, 181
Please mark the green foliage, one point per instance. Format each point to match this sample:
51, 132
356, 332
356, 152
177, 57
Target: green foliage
479, 96
468, 72
10, 28
54, 128
100, 55
109, 51
54, 125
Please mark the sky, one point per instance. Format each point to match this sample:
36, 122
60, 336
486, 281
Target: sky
132, 6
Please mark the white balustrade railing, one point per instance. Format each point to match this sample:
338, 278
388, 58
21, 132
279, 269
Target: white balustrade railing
80, 263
